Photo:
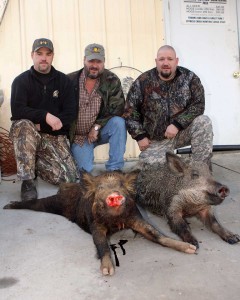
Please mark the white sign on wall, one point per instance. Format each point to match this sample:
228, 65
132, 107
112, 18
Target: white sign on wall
205, 11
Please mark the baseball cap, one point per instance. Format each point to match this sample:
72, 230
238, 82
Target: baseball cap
39, 43
95, 51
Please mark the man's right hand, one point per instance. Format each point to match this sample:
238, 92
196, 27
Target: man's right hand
54, 122
144, 144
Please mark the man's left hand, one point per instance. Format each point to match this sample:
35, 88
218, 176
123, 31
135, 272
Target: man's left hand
93, 135
171, 132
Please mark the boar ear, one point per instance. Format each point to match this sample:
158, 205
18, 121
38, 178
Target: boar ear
175, 164
131, 179
88, 182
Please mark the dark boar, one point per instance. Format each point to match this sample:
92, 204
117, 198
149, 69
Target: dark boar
180, 189
102, 205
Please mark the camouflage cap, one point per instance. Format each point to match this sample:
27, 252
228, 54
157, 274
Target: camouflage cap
39, 43
95, 51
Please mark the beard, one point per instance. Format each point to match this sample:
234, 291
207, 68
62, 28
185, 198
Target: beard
44, 68
97, 73
166, 75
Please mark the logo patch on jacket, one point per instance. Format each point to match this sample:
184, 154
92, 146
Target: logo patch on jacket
55, 94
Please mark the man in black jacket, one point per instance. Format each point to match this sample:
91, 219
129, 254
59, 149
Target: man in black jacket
43, 106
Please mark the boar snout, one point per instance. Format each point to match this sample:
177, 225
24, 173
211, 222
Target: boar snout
223, 191
115, 199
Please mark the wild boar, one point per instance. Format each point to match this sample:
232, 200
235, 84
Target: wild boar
102, 205
178, 190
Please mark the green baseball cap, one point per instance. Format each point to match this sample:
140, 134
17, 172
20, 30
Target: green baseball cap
95, 51
39, 43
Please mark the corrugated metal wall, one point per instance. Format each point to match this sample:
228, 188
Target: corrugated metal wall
130, 30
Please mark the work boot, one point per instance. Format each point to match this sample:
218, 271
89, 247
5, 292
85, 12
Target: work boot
28, 190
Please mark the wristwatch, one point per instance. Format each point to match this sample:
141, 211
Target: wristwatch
96, 127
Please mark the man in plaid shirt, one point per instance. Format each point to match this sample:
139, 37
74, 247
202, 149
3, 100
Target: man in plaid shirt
100, 108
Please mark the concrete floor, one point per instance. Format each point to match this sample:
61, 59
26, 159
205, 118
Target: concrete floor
46, 257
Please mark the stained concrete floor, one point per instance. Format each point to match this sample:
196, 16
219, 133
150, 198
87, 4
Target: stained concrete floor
46, 257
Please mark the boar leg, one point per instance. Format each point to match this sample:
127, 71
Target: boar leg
99, 234
180, 227
208, 219
48, 204
150, 233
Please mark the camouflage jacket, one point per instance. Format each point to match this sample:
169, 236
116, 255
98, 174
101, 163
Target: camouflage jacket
110, 90
153, 104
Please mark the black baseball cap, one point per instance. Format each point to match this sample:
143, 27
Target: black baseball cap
39, 43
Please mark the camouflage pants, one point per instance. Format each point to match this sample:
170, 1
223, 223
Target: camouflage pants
41, 154
198, 134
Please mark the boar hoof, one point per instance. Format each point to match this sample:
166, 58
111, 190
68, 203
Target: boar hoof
195, 243
9, 205
191, 240
191, 249
232, 238
107, 267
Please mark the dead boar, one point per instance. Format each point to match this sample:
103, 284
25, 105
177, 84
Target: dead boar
178, 190
102, 205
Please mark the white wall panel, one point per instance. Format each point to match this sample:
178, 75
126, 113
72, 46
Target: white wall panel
130, 30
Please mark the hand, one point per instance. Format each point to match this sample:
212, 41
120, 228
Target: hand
54, 122
144, 144
171, 131
93, 135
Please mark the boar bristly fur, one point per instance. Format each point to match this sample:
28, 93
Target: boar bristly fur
180, 189
102, 205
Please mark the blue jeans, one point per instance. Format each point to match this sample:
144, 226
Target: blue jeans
114, 133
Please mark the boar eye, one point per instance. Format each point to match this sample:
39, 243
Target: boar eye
195, 174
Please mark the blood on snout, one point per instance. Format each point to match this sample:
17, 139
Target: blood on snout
115, 199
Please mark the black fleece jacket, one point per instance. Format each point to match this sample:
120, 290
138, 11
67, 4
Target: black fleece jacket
33, 95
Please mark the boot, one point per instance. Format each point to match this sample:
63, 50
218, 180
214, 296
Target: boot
28, 190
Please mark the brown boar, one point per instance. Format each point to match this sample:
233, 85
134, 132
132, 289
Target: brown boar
178, 190
102, 205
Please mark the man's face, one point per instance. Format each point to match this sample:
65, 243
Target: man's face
93, 68
166, 63
42, 60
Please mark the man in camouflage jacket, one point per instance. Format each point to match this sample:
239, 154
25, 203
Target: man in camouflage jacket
165, 107
100, 106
